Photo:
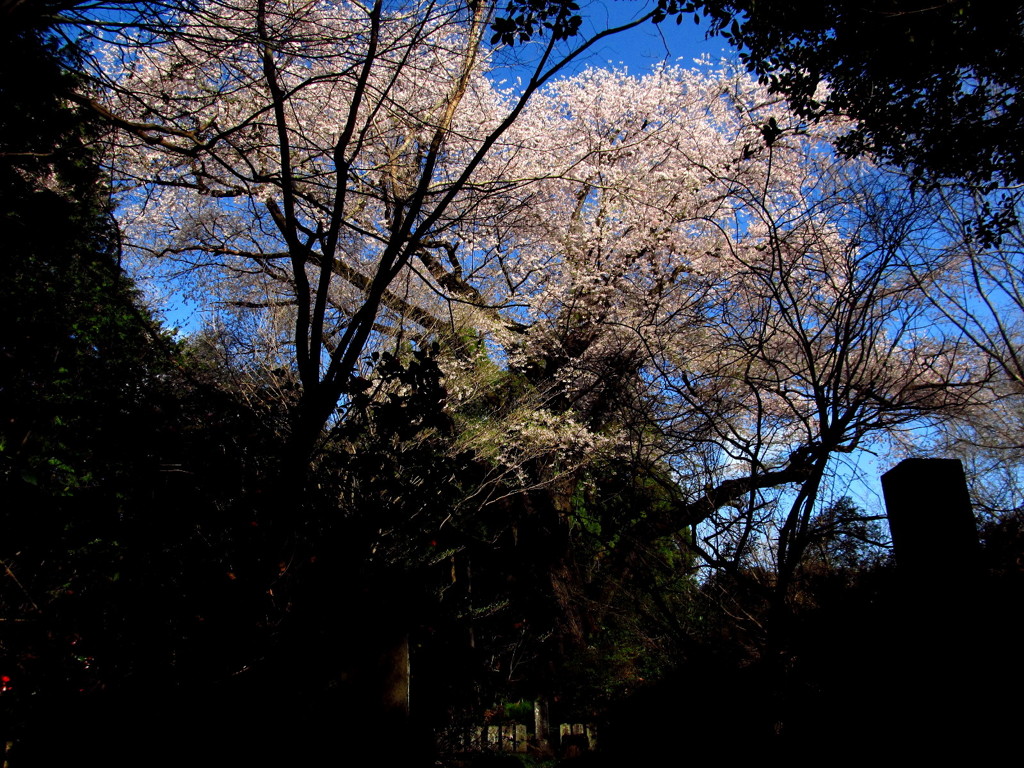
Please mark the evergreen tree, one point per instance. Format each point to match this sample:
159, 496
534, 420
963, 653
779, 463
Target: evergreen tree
125, 459
75, 347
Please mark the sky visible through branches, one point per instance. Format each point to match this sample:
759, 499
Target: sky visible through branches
636, 51
724, 187
579, 352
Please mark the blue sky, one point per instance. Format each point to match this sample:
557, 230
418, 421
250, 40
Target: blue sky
643, 47
638, 50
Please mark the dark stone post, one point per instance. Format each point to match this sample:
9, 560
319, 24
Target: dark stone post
934, 627
933, 529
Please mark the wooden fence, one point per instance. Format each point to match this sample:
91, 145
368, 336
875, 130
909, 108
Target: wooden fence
514, 737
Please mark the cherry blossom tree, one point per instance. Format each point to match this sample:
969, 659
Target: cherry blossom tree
696, 287
980, 292
669, 273
973, 282
674, 250
317, 157
704, 263
705, 284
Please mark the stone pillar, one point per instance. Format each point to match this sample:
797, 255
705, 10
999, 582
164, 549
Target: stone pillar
541, 727
933, 529
933, 627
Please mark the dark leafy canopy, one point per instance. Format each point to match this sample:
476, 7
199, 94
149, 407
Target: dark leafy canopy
523, 19
69, 323
121, 458
933, 85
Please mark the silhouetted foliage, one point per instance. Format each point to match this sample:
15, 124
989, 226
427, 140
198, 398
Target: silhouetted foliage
932, 86
125, 463
525, 19
167, 562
